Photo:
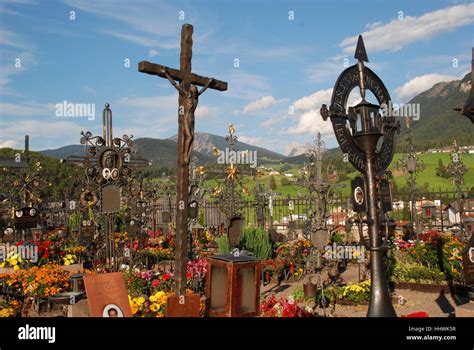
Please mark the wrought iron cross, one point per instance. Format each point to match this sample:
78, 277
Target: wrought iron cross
188, 100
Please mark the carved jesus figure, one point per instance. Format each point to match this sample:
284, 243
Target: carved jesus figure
190, 104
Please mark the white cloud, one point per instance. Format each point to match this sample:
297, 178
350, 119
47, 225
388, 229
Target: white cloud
8, 144
157, 26
310, 122
260, 104
152, 53
326, 70
44, 134
270, 122
314, 101
397, 33
255, 141
26, 109
308, 115
247, 86
206, 112
419, 84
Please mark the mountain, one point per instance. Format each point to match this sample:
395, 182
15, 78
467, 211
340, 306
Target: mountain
64, 152
161, 152
204, 143
439, 125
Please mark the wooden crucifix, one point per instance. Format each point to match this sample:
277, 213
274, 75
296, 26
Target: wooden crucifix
187, 103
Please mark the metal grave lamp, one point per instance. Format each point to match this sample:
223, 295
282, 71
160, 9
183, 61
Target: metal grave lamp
429, 210
233, 286
359, 130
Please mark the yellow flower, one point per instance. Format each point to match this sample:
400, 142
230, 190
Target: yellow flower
140, 300
16, 267
67, 263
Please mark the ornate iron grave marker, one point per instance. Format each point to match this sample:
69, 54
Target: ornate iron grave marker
468, 263
187, 104
108, 167
358, 131
26, 217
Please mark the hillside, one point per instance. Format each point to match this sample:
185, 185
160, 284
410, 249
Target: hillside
439, 125
204, 143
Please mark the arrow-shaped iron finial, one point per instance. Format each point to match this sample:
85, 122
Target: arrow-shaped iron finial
360, 53
361, 56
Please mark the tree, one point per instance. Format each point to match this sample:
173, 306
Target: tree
273, 184
441, 170
285, 167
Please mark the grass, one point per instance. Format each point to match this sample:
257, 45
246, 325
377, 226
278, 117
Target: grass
427, 178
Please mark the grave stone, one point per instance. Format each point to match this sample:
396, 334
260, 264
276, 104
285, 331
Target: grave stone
234, 230
107, 295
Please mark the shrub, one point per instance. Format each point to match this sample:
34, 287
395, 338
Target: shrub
223, 244
257, 242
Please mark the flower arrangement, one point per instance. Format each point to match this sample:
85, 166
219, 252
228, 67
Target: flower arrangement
146, 282
273, 307
69, 259
159, 253
77, 250
434, 258
9, 308
153, 306
357, 292
416, 314
14, 260
41, 281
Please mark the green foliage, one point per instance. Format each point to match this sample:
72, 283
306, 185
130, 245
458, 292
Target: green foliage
284, 181
412, 272
75, 220
256, 241
273, 184
285, 167
441, 170
337, 238
223, 244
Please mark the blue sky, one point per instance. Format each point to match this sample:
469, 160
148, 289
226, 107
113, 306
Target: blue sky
282, 63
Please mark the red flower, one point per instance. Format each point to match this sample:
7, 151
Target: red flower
417, 314
166, 277
155, 283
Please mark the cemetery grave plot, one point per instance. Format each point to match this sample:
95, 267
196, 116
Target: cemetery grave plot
220, 239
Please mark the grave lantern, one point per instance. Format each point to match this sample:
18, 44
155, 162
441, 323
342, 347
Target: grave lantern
365, 119
358, 133
233, 286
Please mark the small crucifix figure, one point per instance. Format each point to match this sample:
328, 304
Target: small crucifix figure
191, 101
187, 104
